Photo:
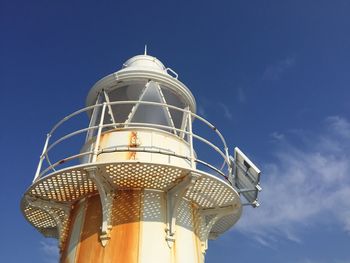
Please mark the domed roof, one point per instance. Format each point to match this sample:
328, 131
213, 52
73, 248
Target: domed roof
141, 69
144, 62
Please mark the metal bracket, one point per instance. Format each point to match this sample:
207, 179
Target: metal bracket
51, 208
216, 214
254, 204
174, 197
106, 193
246, 190
232, 176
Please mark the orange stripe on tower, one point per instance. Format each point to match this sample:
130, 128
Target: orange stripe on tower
124, 236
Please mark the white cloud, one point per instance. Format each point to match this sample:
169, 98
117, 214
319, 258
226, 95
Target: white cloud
339, 125
50, 248
306, 186
274, 71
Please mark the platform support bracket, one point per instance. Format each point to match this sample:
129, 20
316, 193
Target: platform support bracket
57, 210
210, 217
106, 193
174, 197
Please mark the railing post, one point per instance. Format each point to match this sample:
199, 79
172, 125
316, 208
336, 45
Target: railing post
98, 136
90, 133
190, 139
42, 157
230, 170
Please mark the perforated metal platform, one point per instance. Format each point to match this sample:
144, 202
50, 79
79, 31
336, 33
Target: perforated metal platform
61, 189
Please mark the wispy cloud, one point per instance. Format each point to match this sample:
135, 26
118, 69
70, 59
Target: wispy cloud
226, 111
206, 107
277, 136
201, 111
241, 95
339, 125
274, 71
307, 185
50, 248
307, 260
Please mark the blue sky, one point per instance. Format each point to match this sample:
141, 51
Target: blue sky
272, 75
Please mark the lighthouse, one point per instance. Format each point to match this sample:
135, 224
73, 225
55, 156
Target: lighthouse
137, 175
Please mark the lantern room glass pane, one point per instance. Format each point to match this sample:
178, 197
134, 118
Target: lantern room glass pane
151, 113
124, 93
174, 100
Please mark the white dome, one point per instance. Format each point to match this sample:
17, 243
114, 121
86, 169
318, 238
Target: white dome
144, 62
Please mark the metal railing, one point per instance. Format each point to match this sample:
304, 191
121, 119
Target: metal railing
187, 132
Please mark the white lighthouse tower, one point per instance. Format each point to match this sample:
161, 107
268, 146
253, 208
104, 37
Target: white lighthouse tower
137, 181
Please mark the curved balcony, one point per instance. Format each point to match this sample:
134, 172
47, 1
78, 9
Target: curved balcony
165, 157
202, 150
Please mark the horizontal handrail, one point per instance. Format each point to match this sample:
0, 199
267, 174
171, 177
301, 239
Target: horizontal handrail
139, 149
193, 115
133, 149
140, 124
63, 161
67, 136
72, 115
131, 125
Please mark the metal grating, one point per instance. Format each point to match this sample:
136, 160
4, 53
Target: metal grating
209, 192
38, 217
64, 186
72, 184
145, 176
223, 224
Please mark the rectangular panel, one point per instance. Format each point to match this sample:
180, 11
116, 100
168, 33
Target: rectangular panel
247, 177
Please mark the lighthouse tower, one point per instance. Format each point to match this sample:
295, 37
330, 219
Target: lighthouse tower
137, 175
